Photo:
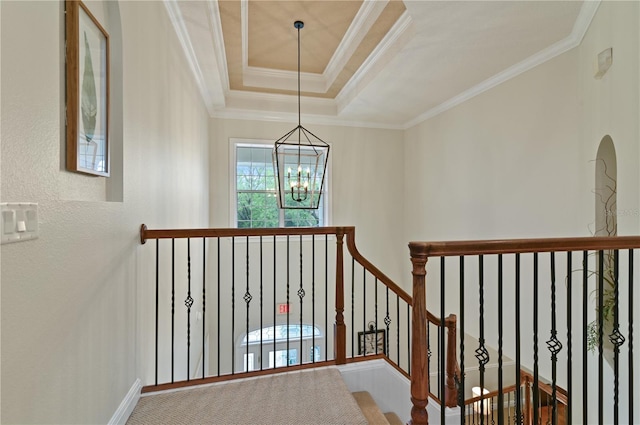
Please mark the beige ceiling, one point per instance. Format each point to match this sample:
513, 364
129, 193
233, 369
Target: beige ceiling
272, 43
379, 63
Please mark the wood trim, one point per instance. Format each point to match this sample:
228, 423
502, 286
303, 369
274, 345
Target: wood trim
513, 246
145, 233
72, 36
72, 77
353, 250
234, 376
419, 369
525, 378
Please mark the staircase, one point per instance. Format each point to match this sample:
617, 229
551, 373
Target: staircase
372, 412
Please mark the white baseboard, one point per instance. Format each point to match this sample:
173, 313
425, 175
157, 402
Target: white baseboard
127, 405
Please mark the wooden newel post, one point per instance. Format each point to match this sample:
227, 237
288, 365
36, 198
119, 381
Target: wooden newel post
419, 372
340, 343
451, 391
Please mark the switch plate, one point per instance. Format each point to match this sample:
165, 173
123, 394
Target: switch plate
19, 221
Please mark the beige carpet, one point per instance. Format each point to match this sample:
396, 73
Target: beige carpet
315, 396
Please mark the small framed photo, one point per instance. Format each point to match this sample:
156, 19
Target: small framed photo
87, 91
372, 342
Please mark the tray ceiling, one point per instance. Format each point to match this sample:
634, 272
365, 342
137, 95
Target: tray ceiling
373, 62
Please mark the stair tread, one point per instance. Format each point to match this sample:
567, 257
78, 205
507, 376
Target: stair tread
369, 408
393, 419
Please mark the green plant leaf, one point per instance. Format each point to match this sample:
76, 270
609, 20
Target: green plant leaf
89, 103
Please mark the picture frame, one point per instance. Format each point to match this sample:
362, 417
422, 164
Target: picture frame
87, 91
372, 342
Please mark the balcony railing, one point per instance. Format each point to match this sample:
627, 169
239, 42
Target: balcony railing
562, 308
227, 303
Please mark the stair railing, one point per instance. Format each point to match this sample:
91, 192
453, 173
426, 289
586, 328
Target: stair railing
525, 305
472, 406
248, 274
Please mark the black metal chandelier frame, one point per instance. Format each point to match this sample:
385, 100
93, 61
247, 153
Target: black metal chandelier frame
308, 155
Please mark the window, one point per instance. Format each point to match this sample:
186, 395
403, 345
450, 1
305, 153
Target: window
256, 202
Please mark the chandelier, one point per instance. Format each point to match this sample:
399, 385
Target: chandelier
300, 165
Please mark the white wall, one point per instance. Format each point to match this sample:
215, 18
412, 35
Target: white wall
516, 161
366, 184
70, 298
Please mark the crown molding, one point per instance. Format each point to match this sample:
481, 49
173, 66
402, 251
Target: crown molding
323, 111
384, 52
177, 20
367, 15
580, 27
217, 36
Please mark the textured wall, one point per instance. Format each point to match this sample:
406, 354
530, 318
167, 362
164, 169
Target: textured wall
70, 298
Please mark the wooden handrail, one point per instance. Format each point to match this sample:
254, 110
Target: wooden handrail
450, 322
229, 232
353, 250
514, 246
340, 335
524, 378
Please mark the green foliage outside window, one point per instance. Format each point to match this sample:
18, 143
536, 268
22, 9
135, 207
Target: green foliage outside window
257, 203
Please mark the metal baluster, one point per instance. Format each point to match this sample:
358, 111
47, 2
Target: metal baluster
569, 343
275, 306
247, 299
408, 339
462, 373
157, 300
188, 303
173, 301
218, 269
429, 354
585, 382
353, 318
536, 390
519, 414
387, 322
301, 294
313, 298
288, 302
500, 316
364, 308
375, 308
204, 304
631, 399
600, 336
261, 305
481, 352
554, 345
441, 362
326, 296
616, 337
233, 304
398, 331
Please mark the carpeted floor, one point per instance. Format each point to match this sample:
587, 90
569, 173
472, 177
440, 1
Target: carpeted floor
315, 396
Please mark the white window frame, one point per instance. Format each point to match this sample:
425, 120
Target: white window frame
233, 195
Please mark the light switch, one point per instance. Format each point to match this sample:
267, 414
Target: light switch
8, 222
19, 221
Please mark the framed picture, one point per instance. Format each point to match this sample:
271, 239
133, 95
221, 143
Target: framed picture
87, 72
372, 342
